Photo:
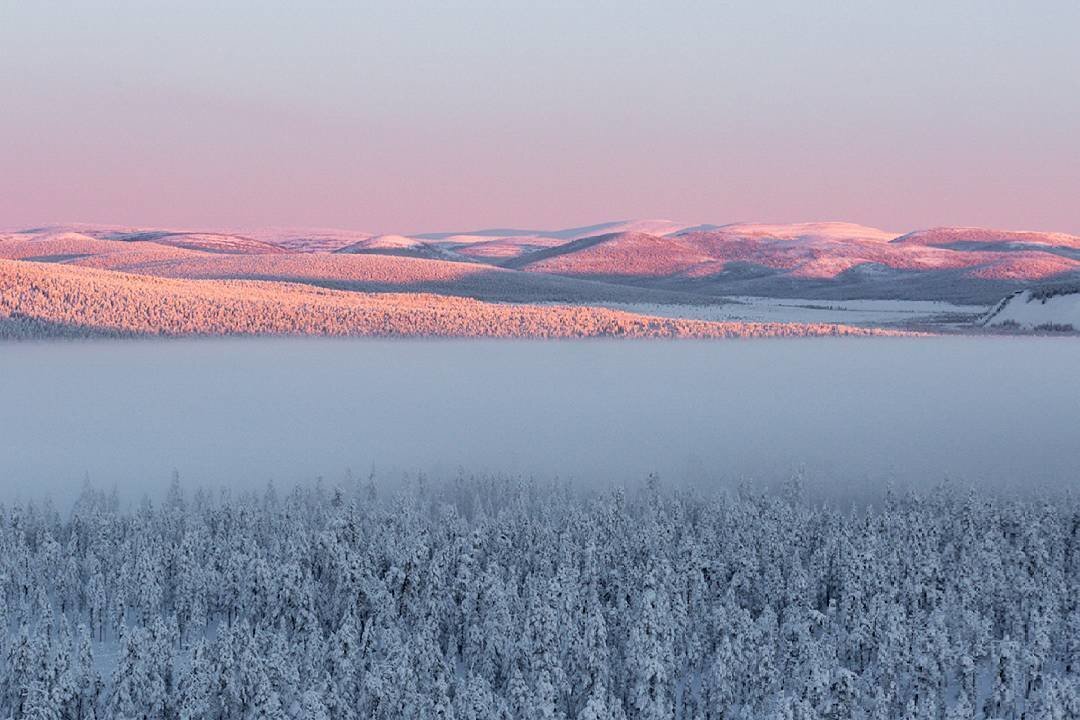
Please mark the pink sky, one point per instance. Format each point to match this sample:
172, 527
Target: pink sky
493, 114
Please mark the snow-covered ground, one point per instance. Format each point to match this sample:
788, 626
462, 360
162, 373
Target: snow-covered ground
851, 312
1034, 310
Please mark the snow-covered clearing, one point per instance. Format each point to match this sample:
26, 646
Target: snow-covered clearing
1038, 310
795, 310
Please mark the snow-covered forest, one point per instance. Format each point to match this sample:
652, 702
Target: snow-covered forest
47, 300
490, 598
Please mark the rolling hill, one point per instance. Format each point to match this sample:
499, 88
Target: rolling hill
394, 245
45, 300
818, 260
362, 272
982, 238
627, 264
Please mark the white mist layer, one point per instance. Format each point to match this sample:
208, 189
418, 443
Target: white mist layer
852, 413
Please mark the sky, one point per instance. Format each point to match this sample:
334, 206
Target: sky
424, 116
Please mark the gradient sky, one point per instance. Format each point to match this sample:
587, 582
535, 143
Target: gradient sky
419, 116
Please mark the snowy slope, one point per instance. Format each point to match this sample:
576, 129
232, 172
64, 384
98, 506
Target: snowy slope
1045, 309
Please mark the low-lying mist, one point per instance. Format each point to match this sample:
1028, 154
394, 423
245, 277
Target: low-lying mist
850, 414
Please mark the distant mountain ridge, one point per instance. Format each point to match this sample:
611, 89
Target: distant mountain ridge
815, 260
650, 261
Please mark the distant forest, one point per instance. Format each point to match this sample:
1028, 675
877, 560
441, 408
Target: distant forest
58, 300
495, 598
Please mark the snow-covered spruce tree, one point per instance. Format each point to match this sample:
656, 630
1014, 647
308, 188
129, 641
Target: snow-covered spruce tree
489, 598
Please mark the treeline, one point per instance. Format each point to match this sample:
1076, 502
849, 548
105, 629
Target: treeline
485, 598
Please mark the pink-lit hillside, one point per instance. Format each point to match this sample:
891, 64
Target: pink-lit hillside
606, 279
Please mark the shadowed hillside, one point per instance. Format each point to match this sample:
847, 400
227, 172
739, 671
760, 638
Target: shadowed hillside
819, 260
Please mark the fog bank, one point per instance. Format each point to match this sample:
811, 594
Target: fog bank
989, 411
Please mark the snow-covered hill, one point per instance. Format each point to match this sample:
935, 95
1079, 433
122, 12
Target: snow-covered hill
625, 262
1048, 309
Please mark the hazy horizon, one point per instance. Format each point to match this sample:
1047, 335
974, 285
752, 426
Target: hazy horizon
598, 222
